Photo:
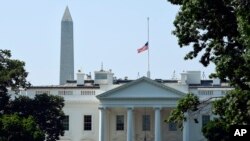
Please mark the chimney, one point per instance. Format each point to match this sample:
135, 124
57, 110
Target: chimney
80, 78
184, 78
216, 81
125, 78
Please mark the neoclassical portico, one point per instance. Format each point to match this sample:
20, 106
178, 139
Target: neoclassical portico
142, 99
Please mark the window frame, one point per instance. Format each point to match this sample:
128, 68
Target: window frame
87, 122
120, 122
101, 76
205, 119
65, 122
146, 122
172, 126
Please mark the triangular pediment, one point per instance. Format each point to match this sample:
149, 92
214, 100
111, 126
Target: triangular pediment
143, 88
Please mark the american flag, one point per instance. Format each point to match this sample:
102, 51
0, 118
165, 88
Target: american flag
145, 47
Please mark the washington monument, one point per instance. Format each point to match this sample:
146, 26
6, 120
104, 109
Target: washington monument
67, 48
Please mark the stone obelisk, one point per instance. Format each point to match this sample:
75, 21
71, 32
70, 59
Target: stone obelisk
67, 48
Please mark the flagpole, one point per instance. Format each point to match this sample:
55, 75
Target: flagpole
148, 73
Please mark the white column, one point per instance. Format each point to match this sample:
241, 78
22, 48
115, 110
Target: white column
102, 123
185, 131
130, 124
157, 123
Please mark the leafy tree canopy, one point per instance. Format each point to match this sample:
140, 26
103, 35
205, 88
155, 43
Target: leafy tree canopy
43, 113
16, 128
12, 72
46, 110
12, 75
188, 103
216, 130
234, 108
220, 31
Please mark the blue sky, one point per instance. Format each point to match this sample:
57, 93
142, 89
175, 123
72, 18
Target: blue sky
107, 31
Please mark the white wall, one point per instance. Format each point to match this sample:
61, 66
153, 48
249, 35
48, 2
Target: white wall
76, 112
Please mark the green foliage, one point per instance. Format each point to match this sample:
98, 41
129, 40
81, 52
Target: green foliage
216, 130
234, 108
219, 30
188, 103
16, 128
49, 115
12, 75
43, 114
46, 110
23, 105
4, 99
243, 18
12, 72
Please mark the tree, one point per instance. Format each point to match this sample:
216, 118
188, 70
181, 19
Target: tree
4, 99
220, 29
189, 102
12, 72
234, 108
12, 75
44, 112
216, 130
14, 127
50, 116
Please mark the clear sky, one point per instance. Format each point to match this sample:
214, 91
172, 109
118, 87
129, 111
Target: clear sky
107, 31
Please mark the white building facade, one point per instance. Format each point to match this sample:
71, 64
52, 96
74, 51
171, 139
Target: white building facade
106, 109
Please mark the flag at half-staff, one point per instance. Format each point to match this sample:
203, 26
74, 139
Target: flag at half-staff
146, 47
143, 48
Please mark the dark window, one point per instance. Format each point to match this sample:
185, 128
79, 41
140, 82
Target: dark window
119, 122
87, 122
172, 126
205, 119
65, 122
146, 122
101, 76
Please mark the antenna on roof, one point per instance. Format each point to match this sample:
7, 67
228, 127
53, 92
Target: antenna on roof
138, 75
102, 66
174, 76
203, 75
89, 76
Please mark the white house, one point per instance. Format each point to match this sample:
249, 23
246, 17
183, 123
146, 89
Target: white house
109, 109
106, 109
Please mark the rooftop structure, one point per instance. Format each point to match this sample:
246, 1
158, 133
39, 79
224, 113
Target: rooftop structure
89, 97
